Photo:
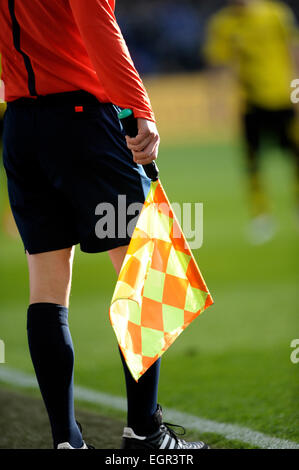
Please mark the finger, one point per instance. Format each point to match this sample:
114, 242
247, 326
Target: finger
148, 160
138, 139
140, 147
148, 155
144, 155
150, 147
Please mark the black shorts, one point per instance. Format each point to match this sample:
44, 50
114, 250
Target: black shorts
260, 124
64, 155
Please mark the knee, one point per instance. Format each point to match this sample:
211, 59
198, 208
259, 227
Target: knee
50, 276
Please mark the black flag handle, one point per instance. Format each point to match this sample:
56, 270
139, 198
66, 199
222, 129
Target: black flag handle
129, 123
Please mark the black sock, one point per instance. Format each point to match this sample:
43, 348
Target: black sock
52, 354
142, 398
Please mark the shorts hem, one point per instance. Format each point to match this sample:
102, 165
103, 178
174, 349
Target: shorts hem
85, 248
38, 251
107, 247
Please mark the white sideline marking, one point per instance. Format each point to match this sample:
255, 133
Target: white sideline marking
229, 431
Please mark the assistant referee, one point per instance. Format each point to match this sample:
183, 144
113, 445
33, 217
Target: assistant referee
67, 72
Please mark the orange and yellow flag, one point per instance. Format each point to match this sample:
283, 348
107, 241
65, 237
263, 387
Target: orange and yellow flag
160, 289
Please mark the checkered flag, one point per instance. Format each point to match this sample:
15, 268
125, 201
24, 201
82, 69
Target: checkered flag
160, 289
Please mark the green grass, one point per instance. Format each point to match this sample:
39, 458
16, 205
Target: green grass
233, 363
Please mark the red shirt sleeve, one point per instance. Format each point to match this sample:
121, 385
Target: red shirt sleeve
109, 54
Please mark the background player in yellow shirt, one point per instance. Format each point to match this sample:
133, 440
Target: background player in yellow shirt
256, 38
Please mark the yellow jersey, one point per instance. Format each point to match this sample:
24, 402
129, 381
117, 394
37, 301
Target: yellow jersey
256, 39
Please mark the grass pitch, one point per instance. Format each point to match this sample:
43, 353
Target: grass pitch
233, 363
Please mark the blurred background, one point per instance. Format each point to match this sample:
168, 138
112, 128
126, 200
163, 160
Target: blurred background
219, 77
168, 36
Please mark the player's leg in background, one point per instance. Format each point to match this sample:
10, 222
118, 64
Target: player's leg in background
142, 396
261, 227
50, 340
259, 204
290, 139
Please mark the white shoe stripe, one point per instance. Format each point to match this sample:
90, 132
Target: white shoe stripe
164, 443
172, 444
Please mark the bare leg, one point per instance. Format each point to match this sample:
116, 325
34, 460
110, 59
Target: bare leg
50, 341
117, 257
50, 276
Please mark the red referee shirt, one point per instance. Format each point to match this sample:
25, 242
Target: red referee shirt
52, 46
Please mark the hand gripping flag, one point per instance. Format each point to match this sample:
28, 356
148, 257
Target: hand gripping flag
160, 289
